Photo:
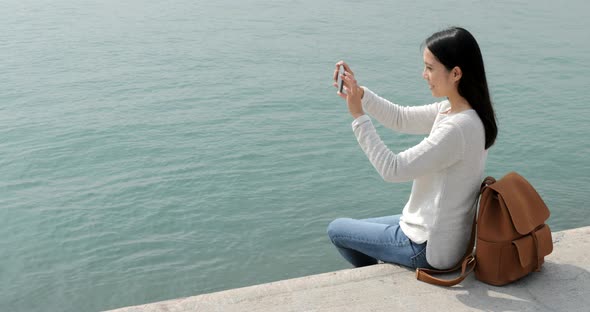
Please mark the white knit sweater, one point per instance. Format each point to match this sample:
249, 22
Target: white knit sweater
446, 167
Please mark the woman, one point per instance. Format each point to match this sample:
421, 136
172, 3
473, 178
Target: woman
446, 167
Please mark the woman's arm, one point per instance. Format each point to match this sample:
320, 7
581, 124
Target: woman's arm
415, 120
407, 119
441, 149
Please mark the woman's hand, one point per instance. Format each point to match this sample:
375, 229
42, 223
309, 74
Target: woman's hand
354, 93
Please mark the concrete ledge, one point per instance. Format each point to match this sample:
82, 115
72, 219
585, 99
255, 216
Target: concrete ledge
562, 285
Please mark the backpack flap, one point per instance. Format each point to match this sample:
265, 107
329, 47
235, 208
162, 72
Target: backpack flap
527, 209
530, 251
544, 240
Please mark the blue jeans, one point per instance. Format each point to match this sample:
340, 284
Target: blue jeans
364, 242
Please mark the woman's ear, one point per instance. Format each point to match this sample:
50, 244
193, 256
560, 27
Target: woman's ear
457, 73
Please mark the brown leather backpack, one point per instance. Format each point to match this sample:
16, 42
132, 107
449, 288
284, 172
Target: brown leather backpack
512, 237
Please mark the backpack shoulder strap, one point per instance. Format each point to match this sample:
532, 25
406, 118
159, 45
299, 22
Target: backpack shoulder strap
467, 267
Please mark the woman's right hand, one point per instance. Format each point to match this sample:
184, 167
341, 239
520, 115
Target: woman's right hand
347, 70
354, 93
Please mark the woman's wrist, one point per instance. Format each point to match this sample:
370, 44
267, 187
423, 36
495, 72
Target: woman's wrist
357, 115
357, 110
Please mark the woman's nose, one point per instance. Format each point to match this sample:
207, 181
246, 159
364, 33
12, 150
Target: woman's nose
424, 74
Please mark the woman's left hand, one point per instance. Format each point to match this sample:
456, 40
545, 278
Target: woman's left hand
354, 92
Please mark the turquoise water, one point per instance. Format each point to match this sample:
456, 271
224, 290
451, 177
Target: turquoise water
152, 151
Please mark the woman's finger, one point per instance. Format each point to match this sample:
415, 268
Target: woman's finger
343, 64
337, 70
350, 84
346, 89
349, 79
349, 74
350, 90
346, 67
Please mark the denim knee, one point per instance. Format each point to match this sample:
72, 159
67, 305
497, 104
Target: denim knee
335, 227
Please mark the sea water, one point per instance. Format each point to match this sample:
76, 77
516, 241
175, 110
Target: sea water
160, 149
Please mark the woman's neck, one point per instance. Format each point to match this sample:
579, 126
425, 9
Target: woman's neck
458, 103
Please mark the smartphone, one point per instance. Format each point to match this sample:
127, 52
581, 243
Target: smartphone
340, 81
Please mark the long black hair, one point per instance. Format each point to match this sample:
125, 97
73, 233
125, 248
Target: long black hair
455, 46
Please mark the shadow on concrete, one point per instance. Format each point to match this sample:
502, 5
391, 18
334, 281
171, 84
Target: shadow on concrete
558, 287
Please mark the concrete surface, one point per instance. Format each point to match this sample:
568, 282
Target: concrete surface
562, 285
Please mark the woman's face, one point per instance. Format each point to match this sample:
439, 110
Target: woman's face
438, 76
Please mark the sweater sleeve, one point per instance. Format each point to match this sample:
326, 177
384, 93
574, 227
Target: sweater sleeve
441, 149
406, 119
